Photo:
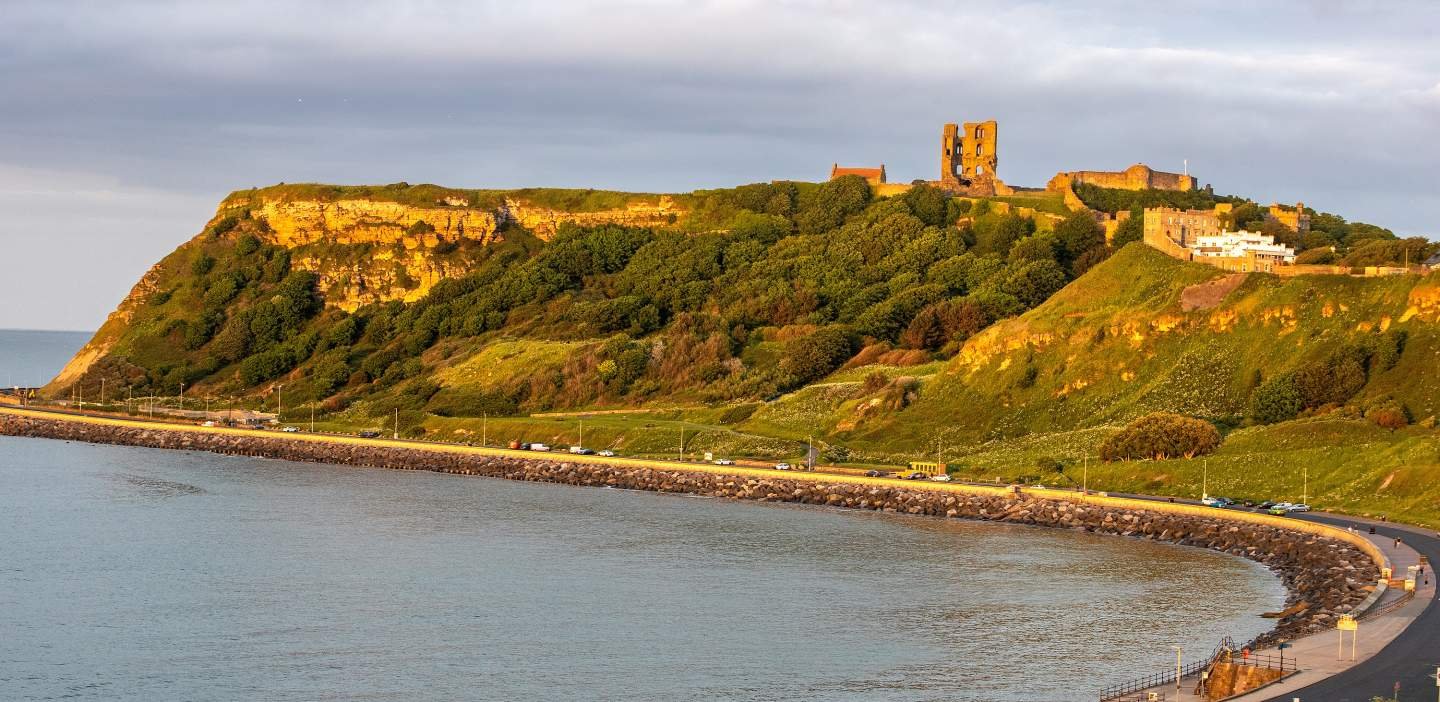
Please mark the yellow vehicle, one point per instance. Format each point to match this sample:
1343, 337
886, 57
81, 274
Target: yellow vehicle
929, 468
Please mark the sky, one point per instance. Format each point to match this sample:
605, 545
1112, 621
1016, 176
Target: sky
124, 122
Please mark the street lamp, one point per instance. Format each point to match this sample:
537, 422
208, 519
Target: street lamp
1178, 669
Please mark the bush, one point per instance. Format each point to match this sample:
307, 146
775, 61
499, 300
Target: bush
735, 414
1161, 435
814, 356
1276, 400
1388, 414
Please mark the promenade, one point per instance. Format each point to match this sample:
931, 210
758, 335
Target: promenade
1320, 656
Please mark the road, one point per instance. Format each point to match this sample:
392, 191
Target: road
1409, 660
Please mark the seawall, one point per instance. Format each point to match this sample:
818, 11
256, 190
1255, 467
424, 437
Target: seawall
1327, 570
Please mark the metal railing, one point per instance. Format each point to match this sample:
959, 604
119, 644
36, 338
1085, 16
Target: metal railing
1126, 691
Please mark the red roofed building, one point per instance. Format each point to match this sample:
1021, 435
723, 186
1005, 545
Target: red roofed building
875, 176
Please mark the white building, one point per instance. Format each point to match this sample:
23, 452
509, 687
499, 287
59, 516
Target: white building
1247, 251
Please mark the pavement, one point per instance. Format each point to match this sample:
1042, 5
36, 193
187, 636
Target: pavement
1319, 656
1408, 661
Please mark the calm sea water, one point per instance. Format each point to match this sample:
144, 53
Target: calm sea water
138, 574
32, 358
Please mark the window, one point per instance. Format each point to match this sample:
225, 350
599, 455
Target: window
979, 149
979, 170
979, 132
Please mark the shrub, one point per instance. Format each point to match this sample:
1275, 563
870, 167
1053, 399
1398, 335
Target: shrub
1276, 400
735, 414
816, 355
1388, 414
1161, 435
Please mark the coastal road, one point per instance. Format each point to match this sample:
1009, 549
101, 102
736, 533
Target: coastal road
1409, 660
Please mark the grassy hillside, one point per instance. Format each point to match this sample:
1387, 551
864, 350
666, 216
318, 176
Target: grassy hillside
762, 318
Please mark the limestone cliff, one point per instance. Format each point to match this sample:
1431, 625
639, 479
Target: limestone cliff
367, 250
365, 244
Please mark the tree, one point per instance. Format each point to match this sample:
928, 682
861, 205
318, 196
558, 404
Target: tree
815, 355
1034, 283
1161, 435
1276, 400
929, 204
1077, 234
1036, 247
1131, 229
831, 203
996, 233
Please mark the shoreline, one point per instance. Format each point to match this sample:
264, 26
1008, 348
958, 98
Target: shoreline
1321, 566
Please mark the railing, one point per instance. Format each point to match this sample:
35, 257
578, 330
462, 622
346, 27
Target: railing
1388, 606
1126, 691
1141, 697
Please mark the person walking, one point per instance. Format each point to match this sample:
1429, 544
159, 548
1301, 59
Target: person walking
1397, 542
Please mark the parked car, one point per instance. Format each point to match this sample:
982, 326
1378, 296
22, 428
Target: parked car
940, 478
1282, 506
538, 447
1267, 504
581, 451
917, 475
607, 453
369, 434
1212, 501
782, 466
724, 462
873, 473
1278, 511
207, 424
290, 430
1302, 507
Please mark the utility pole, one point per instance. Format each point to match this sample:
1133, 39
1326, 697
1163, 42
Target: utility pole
102, 390
129, 395
682, 439
485, 429
1205, 478
397, 423
1305, 485
582, 433
182, 397
312, 417
1085, 475
279, 402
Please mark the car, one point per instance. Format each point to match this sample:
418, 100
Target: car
538, 447
290, 430
1281, 506
607, 453
724, 462
1210, 501
207, 424
1267, 504
368, 434
782, 466
581, 451
1302, 507
1278, 511
873, 474
940, 478
917, 475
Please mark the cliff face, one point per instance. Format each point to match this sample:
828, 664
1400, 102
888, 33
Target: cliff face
364, 244
368, 250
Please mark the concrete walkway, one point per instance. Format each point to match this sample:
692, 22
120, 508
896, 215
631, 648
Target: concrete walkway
1317, 655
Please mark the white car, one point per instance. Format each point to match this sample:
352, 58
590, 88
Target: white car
1213, 501
290, 430
581, 451
1298, 508
539, 447
940, 478
207, 424
1283, 505
782, 466
607, 453
724, 462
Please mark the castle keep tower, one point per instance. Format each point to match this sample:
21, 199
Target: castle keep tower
968, 153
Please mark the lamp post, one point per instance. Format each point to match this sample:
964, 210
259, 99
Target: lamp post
279, 403
1205, 479
1178, 668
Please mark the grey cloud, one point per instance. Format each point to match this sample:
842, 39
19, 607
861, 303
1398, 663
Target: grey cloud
181, 102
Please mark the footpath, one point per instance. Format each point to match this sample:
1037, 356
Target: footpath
1321, 656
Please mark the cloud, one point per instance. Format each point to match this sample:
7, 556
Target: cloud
1331, 102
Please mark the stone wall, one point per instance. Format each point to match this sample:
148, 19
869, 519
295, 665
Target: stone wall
1328, 574
1136, 177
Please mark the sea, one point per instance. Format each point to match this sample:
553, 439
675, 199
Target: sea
142, 574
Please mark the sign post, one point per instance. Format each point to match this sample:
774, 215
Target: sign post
1347, 623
